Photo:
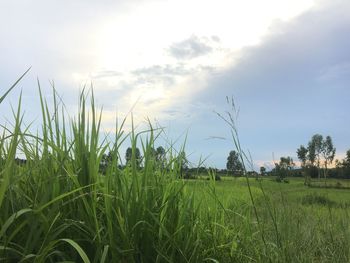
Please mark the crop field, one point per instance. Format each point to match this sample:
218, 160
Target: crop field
58, 206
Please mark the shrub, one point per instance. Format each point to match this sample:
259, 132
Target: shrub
216, 178
317, 199
339, 185
189, 176
278, 179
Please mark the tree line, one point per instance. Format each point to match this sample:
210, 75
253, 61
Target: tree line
158, 155
315, 158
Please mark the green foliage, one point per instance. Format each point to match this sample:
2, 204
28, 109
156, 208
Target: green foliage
315, 148
347, 159
328, 150
302, 155
319, 151
286, 163
160, 155
316, 199
283, 168
183, 162
57, 206
130, 154
234, 165
262, 170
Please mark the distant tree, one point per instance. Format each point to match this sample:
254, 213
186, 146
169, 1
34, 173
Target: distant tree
282, 169
343, 166
345, 162
315, 149
183, 163
328, 153
262, 170
234, 164
311, 155
286, 163
160, 156
302, 156
347, 159
153, 153
107, 159
318, 152
338, 164
128, 156
103, 163
183, 160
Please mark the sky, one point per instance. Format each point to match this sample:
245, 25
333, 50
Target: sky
286, 63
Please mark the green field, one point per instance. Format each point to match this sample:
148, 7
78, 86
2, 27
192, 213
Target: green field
298, 223
59, 207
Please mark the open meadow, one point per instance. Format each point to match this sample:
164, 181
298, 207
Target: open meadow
296, 223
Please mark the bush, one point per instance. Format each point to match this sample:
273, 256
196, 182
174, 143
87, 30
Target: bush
216, 178
189, 176
317, 199
312, 171
281, 180
278, 179
338, 185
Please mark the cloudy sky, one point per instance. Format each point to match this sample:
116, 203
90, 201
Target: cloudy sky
286, 63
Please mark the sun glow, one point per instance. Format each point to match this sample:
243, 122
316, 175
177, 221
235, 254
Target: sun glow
141, 36
140, 39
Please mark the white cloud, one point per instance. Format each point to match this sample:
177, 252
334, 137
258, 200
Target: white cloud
140, 40
122, 46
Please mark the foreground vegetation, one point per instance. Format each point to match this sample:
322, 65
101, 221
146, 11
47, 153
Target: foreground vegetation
59, 207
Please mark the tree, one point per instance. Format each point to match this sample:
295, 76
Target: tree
328, 152
105, 161
233, 163
183, 162
160, 156
262, 170
311, 156
347, 159
343, 166
302, 153
129, 153
345, 163
319, 151
315, 149
285, 165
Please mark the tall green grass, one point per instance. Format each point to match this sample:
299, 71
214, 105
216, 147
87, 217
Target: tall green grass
59, 207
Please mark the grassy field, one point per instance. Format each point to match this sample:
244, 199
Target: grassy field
296, 223
59, 207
